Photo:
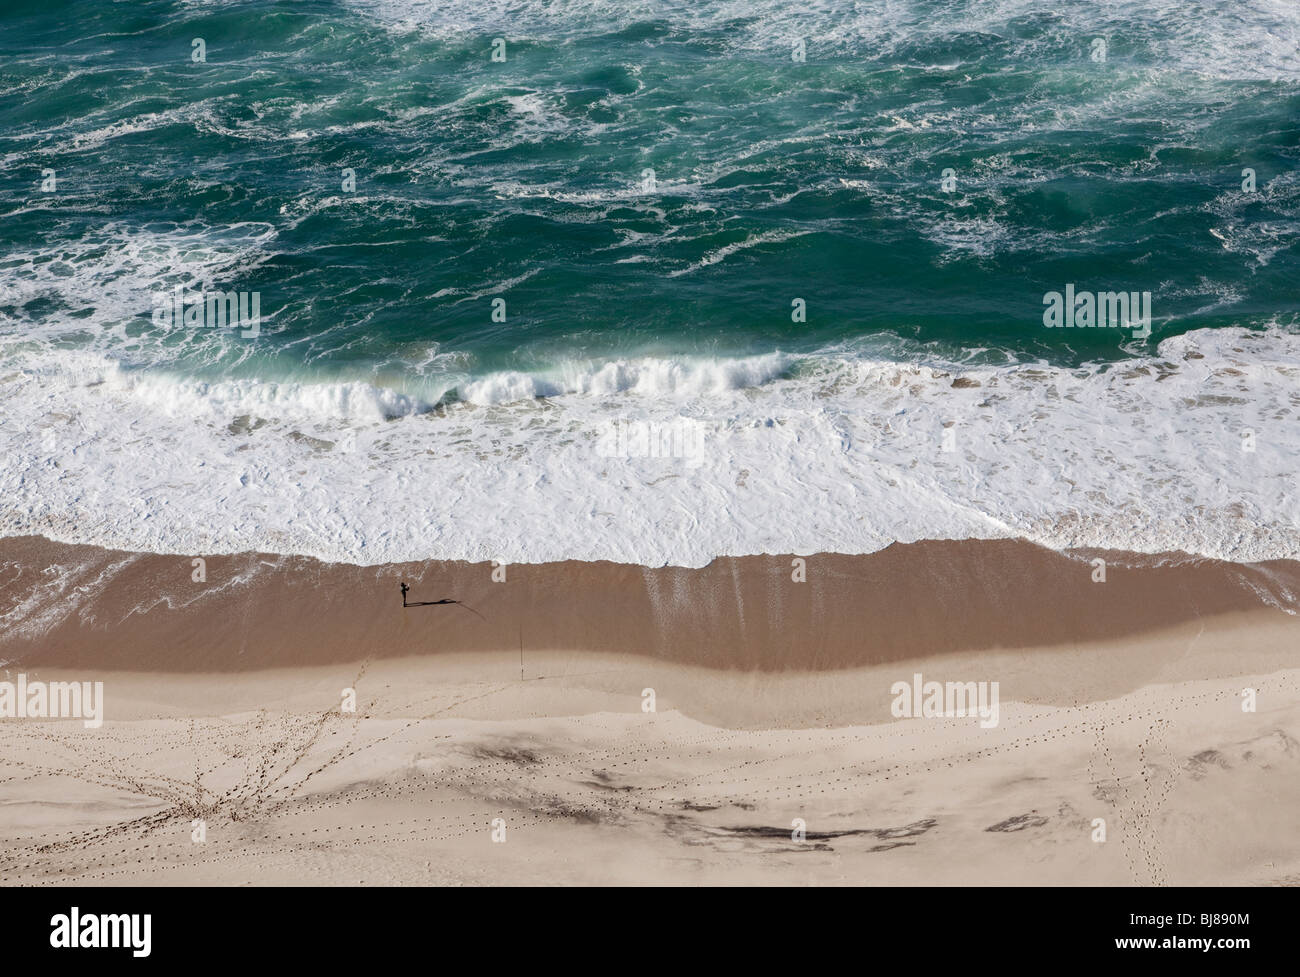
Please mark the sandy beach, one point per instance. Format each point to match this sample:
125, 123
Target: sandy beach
226, 705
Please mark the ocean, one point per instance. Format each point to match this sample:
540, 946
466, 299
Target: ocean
650, 281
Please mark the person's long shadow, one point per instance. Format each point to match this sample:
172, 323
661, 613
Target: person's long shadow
445, 600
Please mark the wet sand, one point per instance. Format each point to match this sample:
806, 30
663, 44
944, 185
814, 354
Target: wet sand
87, 607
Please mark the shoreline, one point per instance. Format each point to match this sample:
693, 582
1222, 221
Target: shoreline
70, 606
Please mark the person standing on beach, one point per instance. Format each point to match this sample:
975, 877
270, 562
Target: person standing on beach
404, 590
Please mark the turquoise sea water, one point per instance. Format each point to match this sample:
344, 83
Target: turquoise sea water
775, 178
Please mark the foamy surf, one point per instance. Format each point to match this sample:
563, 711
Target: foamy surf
1191, 449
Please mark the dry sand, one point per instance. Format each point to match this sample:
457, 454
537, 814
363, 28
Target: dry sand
239, 724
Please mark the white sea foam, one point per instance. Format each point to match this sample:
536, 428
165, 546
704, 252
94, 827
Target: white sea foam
834, 452
650, 376
1208, 38
116, 270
